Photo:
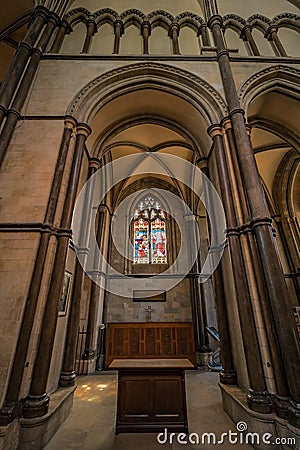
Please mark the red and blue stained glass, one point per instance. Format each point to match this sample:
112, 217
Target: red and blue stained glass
150, 241
158, 242
141, 241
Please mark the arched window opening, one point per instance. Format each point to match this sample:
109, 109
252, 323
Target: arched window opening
150, 238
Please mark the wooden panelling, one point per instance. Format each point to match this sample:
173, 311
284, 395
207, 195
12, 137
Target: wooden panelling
150, 400
150, 340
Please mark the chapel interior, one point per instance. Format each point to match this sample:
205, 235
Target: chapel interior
149, 212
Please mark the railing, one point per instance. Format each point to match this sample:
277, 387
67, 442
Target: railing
81, 364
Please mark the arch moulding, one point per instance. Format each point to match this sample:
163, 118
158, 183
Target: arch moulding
191, 88
284, 78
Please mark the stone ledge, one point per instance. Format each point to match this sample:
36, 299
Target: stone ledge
36, 433
235, 405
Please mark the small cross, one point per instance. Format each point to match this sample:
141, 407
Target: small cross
148, 310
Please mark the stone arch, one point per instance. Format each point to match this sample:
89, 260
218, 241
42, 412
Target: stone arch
284, 78
107, 86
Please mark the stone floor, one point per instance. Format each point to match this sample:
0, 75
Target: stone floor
91, 425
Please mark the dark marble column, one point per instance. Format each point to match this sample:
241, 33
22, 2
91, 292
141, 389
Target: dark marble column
246, 35
59, 38
10, 408
258, 397
173, 33
146, 31
119, 29
67, 376
91, 30
36, 404
8, 87
89, 351
275, 356
272, 36
228, 374
21, 95
261, 225
204, 35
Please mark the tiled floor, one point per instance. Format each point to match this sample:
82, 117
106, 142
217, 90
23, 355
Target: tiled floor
91, 425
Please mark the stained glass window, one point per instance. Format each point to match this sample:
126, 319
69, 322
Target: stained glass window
141, 241
150, 240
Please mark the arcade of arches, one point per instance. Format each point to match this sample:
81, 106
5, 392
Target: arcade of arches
176, 89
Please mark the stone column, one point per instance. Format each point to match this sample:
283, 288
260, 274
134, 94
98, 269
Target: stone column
8, 87
204, 35
10, 408
261, 225
272, 339
272, 36
173, 33
91, 30
258, 397
36, 404
198, 319
228, 373
119, 29
246, 35
59, 38
146, 32
67, 376
21, 95
89, 351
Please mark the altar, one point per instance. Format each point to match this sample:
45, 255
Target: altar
151, 359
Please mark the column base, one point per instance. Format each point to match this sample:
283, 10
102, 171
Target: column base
67, 379
294, 414
35, 433
281, 405
35, 406
88, 354
228, 377
100, 363
235, 405
9, 412
260, 402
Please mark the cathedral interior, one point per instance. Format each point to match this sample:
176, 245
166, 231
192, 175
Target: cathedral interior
150, 206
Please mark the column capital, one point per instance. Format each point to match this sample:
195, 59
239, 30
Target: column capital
94, 163
248, 129
245, 31
202, 27
118, 24
202, 163
84, 129
215, 130
174, 28
91, 24
226, 123
146, 25
53, 17
39, 11
272, 29
215, 20
70, 122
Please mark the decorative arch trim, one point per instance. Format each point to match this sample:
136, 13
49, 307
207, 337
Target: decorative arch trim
132, 77
263, 81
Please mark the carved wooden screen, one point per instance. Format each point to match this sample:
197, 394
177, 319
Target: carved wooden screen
150, 340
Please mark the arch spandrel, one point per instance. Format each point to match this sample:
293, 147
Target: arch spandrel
204, 103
